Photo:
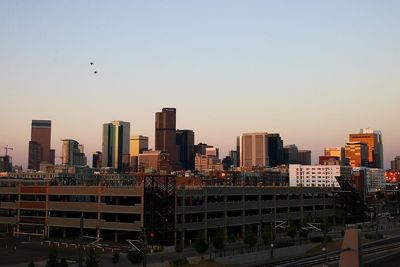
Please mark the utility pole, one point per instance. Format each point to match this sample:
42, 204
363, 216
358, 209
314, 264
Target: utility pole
144, 249
81, 241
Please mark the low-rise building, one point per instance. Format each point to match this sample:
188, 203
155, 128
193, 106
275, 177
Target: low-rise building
317, 175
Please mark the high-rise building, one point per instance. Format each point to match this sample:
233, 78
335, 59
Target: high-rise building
290, 155
185, 141
73, 153
357, 153
116, 145
96, 159
233, 154
305, 157
200, 148
254, 150
373, 138
138, 144
150, 161
275, 149
336, 152
5, 163
166, 135
39, 146
395, 163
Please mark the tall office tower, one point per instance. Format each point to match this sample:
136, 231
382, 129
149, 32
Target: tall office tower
166, 135
200, 148
254, 150
185, 141
212, 152
233, 154
305, 157
73, 153
209, 160
116, 145
290, 155
336, 152
373, 138
138, 144
238, 150
96, 159
357, 153
39, 146
5, 163
52, 156
275, 150
395, 163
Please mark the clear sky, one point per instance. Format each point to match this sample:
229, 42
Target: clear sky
314, 71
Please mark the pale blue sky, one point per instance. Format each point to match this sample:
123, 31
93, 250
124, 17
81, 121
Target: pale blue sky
313, 71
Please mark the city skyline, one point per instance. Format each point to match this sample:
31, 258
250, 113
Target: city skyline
313, 72
314, 159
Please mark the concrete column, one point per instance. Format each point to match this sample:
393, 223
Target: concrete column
115, 237
226, 232
64, 233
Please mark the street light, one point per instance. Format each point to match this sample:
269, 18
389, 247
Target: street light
272, 250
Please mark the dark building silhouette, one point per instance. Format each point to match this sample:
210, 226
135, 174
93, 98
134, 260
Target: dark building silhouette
290, 155
5, 164
185, 140
96, 159
305, 157
39, 146
227, 163
166, 135
35, 155
275, 150
201, 148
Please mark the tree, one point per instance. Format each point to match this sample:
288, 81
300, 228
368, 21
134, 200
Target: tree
266, 236
200, 245
31, 264
52, 260
115, 258
292, 230
249, 237
232, 238
325, 228
135, 256
91, 259
380, 195
63, 263
219, 240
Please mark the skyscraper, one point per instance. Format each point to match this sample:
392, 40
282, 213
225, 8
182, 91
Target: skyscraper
336, 152
290, 155
275, 149
39, 146
357, 153
116, 145
165, 139
96, 159
254, 150
373, 138
395, 163
185, 141
138, 144
305, 157
73, 153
